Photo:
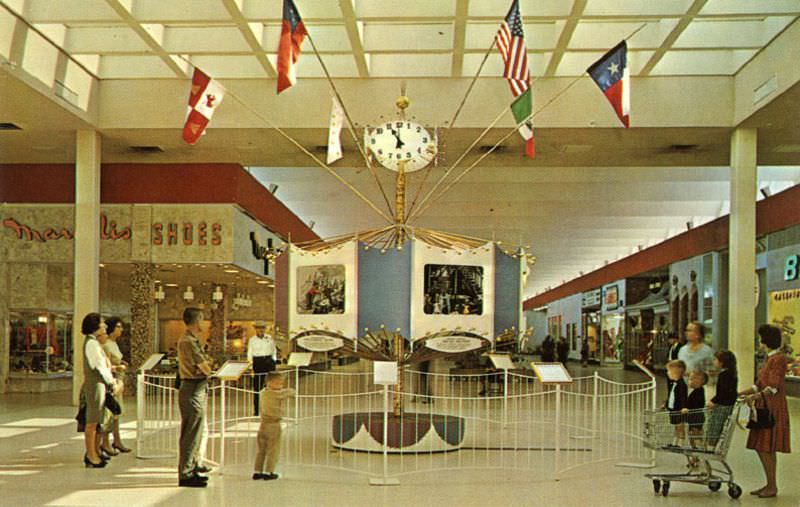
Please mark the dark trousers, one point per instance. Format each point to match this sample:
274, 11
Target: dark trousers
192, 397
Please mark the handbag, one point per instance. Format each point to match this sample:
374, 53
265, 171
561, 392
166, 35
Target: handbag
761, 418
112, 404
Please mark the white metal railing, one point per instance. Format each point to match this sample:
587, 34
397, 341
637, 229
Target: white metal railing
499, 420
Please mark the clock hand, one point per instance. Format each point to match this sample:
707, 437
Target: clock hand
400, 143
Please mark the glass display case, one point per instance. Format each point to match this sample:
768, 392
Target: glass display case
40, 342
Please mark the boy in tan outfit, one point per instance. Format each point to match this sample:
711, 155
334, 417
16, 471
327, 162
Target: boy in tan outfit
273, 401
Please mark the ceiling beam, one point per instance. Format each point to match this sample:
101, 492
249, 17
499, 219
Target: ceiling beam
676, 32
459, 37
354, 34
566, 35
251, 39
126, 15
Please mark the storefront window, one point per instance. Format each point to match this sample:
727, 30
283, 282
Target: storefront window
40, 342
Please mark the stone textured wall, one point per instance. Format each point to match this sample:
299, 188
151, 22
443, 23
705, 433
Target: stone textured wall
142, 316
4, 337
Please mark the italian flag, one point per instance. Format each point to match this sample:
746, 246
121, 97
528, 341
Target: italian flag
521, 108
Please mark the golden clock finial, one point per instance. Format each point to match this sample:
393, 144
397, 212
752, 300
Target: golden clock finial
402, 102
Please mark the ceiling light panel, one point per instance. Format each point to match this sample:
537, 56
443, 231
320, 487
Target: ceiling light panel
705, 33
326, 37
527, 8
538, 36
338, 66
405, 9
159, 11
537, 63
594, 34
634, 7
723, 62
210, 39
133, 66
401, 37
716, 7
410, 65
229, 66
47, 11
103, 40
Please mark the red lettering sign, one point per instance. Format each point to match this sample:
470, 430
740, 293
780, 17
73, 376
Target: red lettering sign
27, 233
188, 233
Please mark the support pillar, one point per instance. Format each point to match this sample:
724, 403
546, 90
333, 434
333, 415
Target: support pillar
742, 252
142, 318
87, 244
216, 335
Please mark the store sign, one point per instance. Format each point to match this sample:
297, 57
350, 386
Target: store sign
453, 344
261, 252
187, 233
790, 268
591, 298
108, 230
319, 343
611, 297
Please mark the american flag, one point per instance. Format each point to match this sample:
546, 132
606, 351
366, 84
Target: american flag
510, 41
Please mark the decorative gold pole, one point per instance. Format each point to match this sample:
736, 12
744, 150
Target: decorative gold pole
402, 102
398, 395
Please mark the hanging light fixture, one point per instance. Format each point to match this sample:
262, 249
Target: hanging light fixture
188, 295
217, 294
159, 294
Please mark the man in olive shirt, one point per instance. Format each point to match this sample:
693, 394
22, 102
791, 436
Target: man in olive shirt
195, 367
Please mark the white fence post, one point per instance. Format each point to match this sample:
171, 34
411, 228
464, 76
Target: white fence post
385, 480
222, 414
505, 397
140, 398
558, 431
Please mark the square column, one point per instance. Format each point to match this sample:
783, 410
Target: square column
87, 244
742, 254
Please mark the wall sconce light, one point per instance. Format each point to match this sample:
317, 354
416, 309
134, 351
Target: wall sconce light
217, 294
159, 294
766, 192
188, 295
311, 224
273, 188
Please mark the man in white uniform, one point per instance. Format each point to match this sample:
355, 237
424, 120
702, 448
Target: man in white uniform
262, 354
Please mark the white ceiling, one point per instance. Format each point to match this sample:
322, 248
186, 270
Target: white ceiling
594, 193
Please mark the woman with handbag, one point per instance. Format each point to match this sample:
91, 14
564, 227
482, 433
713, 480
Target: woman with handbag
118, 367
769, 438
97, 378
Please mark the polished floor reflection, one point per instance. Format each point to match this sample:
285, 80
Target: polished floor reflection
40, 464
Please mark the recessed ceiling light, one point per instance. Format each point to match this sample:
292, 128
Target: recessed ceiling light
231, 270
170, 285
262, 282
156, 281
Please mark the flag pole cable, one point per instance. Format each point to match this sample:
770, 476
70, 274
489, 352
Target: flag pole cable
449, 126
301, 147
350, 127
530, 117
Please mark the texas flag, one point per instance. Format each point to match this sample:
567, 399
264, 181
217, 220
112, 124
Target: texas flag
292, 34
611, 74
204, 98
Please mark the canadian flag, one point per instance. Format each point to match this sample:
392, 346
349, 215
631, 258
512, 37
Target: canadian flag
204, 98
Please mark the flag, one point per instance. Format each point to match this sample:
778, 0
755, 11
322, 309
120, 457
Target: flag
521, 108
510, 40
292, 34
334, 131
611, 74
204, 98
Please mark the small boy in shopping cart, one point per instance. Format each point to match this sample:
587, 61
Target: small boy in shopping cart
273, 401
695, 403
676, 400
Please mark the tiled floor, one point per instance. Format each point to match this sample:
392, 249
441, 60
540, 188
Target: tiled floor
40, 464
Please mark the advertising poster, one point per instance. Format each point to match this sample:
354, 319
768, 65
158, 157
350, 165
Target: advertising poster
783, 311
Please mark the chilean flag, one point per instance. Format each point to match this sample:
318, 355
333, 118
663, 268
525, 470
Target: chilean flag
292, 34
610, 73
204, 98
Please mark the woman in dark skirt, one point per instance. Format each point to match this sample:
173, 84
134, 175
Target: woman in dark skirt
770, 392
97, 377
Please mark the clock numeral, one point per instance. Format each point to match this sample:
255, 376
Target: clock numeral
379, 130
419, 130
408, 154
419, 150
372, 140
389, 125
380, 152
399, 156
424, 139
398, 125
408, 125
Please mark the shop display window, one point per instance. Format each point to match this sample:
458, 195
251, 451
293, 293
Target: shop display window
40, 342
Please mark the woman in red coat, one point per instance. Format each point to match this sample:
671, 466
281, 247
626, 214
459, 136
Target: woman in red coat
769, 441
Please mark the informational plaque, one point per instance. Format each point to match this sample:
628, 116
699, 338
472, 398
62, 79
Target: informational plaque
385, 372
552, 373
320, 343
453, 344
151, 362
298, 359
231, 370
502, 361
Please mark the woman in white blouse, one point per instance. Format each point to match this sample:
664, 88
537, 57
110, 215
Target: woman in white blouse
97, 377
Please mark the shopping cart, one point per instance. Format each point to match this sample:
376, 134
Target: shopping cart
703, 436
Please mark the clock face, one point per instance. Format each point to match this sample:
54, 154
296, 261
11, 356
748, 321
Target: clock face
401, 140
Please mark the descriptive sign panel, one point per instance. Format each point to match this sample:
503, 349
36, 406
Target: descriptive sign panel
320, 343
151, 362
385, 373
502, 361
300, 359
231, 370
453, 344
552, 373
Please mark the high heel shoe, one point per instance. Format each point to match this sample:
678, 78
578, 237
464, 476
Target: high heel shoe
111, 452
89, 464
121, 448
